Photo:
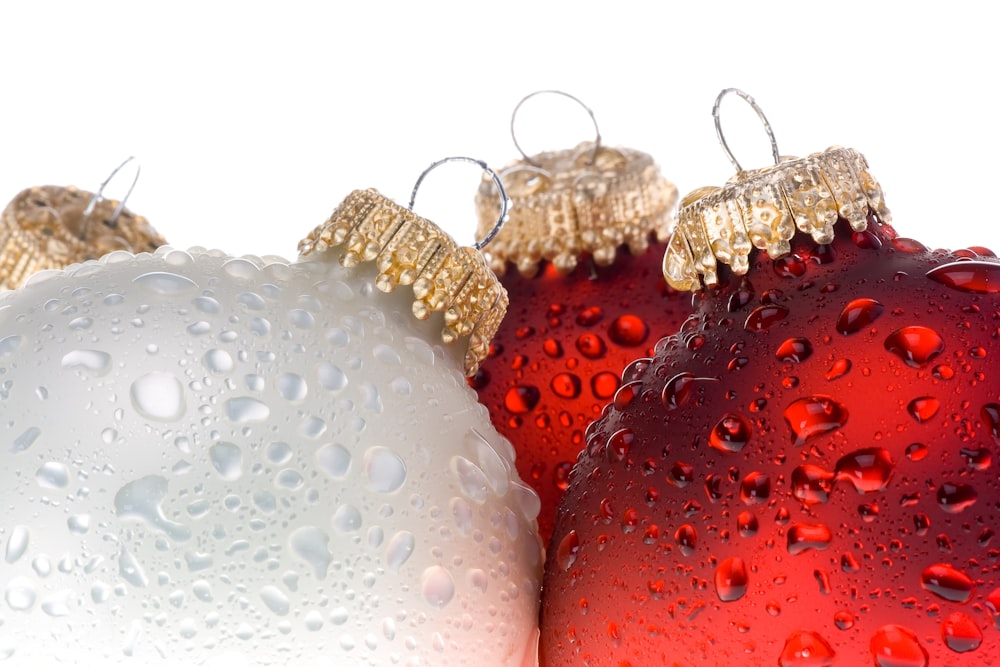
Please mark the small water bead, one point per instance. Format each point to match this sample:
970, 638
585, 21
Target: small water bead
764, 317
955, 498
838, 369
806, 648
604, 385
844, 620
730, 434
565, 385
347, 519
731, 579
53, 475
857, 315
521, 399
292, 387
869, 469
218, 361
794, 349
897, 646
813, 416
227, 459
567, 550
803, 536
437, 586
686, 537
472, 480
399, 549
960, 633
385, 470
923, 408
747, 524
916, 345
334, 459
590, 316
276, 600
968, 276
628, 331
916, 451
91, 362
947, 582
755, 488
158, 396
17, 543
591, 346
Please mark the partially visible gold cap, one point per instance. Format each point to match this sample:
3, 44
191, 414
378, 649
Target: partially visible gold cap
410, 250
574, 202
44, 228
763, 208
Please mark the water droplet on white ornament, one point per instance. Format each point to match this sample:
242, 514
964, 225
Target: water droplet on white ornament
17, 543
197, 561
9, 345
251, 300
199, 328
57, 604
279, 452
301, 319
370, 399
80, 323
42, 566
246, 409
289, 479
218, 361
166, 284
260, 326
227, 459
493, 467
331, 377
202, 590
334, 460
399, 549
437, 586
311, 545
471, 479
130, 569
78, 524
26, 439
20, 594
92, 362
52, 475
347, 519
158, 396
100, 592
207, 305
292, 387
141, 500
275, 600
387, 355
385, 469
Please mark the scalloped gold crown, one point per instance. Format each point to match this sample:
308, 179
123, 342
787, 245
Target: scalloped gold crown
573, 202
43, 228
763, 208
410, 250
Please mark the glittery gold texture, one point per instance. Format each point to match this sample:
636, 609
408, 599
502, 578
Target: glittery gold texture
410, 250
763, 209
43, 228
574, 202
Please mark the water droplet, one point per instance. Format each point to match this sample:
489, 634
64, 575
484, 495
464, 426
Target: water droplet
218, 361
897, 646
590, 316
20, 594
552, 348
805, 648
731, 579
794, 349
838, 369
763, 317
916, 345
347, 519
619, 444
331, 377
141, 500
565, 385
334, 460
604, 384
78, 524
437, 586
844, 620
26, 439
916, 451
730, 434
747, 524
923, 408
954, 498
17, 543
131, 570
972, 276
960, 633
227, 459
399, 549
275, 600
56, 604
869, 469
591, 346
947, 582
687, 538
292, 387
9, 345
628, 331
567, 549
243, 409
471, 479
858, 314
813, 416
991, 418
166, 284
521, 399
385, 469
158, 396
53, 475
755, 488
803, 536
92, 362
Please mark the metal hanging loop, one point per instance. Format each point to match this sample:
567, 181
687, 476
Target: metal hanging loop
99, 196
513, 117
497, 183
760, 114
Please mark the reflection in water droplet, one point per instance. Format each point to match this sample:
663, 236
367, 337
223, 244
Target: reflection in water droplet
916, 345
158, 396
869, 469
803, 536
731, 579
565, 385
628, 331
521, 399
437, 586
947, 582
591, 346
246, 409
93, 362
923, 408
764, 317
858, 314
805, 648
794, 349
730, 434
386, 471
897, 646
971, 276
566, 551
954, 498
813, 416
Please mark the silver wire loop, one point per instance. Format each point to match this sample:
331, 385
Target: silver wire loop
513, 117
497, 183
760, 114
99, 196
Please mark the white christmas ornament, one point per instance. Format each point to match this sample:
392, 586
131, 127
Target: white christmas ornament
211, 460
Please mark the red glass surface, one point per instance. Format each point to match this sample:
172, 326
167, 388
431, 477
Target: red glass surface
808, 475
559, 355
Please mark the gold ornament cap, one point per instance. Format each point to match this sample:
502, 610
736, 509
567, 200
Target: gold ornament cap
410, 250
586, 200
763, 209
49, 227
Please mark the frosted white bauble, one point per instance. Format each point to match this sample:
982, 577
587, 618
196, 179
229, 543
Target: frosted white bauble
211, 460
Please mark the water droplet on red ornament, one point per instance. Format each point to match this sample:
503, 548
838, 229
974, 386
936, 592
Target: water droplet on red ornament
844, 620
635, 370
991, 417
628, 331
521, 399
867, 469
731, 579
909, 246
974, 276
794, 349
921, 523
565, 385
811, 483
553, 348
953, 498
814, 415
803, 536
840, 368
858, 314
916, 451
480, 379
923, 408
747, 524
560, 475
960, 633
567, 549
978, 458
916, 345
681, 474
947, 582
687, 539
755, 488
619, 444
730, 434
897, 646
805, 648
790, 266
604, 385
591, 346
607, 510
762, 317
868, 512
993, 606
713, 487
590, 316
626, 394
524, 332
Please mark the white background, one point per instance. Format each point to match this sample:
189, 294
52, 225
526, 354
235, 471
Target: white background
252, 120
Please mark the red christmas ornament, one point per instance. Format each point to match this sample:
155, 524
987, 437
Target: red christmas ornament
581, 306
802, 476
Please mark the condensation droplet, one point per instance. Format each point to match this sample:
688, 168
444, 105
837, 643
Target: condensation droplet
805, 648
53, 475
166, 284
141, 500
869, 469
227, 459
813, 416
92, 362
731, 579
858, 314
17, 543
399, 549
968, 276
437, 586
20, 594
158, 396
916, 345
730, 434
347, 519
567, 549
275, 600
218, 361
386, 471
897, 646
245, 409
947, 582
334, 459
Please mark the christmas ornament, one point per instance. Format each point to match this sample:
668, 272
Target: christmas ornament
802, 476
50, 227
583, 306
235, 460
